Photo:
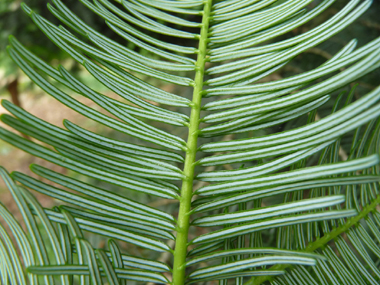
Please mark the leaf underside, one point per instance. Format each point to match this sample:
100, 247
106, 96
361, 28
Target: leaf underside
259, 197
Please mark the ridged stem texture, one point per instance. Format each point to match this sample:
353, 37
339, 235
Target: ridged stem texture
183, 221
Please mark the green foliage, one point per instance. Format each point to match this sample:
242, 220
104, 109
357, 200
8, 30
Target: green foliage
314, 197
13, 22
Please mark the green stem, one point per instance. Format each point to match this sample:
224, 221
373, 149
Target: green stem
183, 221
313, 246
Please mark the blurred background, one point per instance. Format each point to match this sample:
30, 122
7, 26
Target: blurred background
16, 87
